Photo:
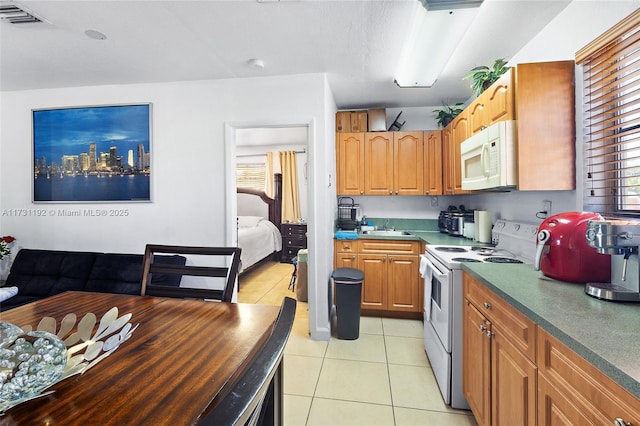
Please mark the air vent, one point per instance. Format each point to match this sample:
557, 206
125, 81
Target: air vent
15, 14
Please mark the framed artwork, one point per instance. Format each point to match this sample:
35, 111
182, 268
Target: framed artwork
92, 154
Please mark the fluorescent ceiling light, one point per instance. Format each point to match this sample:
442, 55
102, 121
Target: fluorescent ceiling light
434, 36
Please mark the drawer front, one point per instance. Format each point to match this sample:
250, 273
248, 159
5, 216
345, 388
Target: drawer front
389, 246
591, 391
294, 230
520, 329
346, 246
294, 243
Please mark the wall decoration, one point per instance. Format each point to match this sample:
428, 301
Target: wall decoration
92, 154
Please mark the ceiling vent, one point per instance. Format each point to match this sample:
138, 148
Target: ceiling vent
16, 14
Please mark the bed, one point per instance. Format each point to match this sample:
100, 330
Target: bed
259, 219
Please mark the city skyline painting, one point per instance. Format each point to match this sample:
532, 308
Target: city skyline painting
92, 154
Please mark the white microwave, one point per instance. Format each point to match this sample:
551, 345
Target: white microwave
488, 158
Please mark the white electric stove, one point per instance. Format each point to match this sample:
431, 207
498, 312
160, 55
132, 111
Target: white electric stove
512, 242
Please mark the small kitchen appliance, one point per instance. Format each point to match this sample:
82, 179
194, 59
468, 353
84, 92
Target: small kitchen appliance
348, 214
562, 252
441, 269
621, 239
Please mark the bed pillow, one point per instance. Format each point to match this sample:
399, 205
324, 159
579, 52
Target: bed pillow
248, 221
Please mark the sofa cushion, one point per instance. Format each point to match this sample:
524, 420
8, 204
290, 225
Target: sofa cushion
43, 273
122, 273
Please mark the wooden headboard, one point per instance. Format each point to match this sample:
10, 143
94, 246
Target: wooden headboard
252, 202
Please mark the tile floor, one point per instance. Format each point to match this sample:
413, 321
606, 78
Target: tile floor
382, 378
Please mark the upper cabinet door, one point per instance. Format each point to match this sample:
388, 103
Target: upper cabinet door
459, 133
350, 163
408, 166
433, 162
447, 161
478, 114
500, 98
378, 166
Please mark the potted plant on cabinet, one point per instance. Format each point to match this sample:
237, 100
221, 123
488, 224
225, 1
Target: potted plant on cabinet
447, 113
482, 77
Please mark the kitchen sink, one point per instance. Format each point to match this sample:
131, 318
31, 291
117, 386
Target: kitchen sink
387, 233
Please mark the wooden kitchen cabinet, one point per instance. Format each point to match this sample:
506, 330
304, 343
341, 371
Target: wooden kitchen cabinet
381, 163
458, 132
500, 383
545, 111
571, 391
433, 162
499, 99
476, 380
378, 163
447, 162
350, 167
408, 163
391, 271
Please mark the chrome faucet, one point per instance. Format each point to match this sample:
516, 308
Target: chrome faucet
386, 224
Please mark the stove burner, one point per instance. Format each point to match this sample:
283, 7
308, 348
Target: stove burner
465, 259
502, 260
452, 249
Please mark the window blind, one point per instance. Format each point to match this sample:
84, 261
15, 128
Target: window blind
250, 176
611, 69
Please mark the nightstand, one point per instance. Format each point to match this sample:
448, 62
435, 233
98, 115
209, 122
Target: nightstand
294, 238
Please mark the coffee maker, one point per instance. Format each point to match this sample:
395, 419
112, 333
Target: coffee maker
621, 239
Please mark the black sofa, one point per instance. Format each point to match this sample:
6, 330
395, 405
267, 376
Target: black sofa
43, 273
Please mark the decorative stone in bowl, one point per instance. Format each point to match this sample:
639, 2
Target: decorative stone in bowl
33, 361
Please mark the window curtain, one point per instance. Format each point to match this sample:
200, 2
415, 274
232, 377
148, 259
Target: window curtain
268, 181
290, 194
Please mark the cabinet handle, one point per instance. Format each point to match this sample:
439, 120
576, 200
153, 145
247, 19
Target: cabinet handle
347, 247
483, 328
486, 305
353, 258
489, 334
620, 422
390, 192
390, 259
361, 192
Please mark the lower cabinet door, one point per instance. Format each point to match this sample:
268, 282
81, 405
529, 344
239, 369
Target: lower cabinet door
554, 408
513, 383
403, 285
476, 363
374, 267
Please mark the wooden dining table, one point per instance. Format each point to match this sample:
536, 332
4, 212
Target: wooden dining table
178, 364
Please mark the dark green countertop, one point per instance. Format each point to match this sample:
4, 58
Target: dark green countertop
607, 334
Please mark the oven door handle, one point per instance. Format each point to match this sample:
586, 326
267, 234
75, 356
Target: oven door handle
433, 269
431, 272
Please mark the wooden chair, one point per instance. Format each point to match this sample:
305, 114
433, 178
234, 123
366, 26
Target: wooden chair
229, 273
256, 397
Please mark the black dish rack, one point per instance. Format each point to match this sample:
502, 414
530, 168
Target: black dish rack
347, 214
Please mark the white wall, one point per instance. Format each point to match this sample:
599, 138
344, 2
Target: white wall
189, 174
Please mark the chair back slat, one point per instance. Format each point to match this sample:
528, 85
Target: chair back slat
231, 255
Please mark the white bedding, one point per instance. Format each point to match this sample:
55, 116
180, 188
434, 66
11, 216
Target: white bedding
258, 238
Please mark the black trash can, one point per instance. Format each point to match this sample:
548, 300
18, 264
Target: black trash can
348, 287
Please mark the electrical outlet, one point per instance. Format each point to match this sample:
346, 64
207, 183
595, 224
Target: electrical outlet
434, 201
546, 207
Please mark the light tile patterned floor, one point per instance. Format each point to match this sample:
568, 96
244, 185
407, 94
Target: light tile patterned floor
382, 378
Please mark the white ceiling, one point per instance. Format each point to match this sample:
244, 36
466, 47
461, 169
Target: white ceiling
357, 43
